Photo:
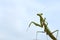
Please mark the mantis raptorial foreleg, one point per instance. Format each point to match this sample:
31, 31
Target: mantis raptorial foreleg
34, 24
41, 21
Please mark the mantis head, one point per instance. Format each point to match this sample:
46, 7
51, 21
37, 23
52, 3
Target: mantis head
40, 14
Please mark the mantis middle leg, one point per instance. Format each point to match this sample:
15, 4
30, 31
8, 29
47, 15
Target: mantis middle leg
40, 32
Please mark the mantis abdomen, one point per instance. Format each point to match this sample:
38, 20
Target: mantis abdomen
48, 32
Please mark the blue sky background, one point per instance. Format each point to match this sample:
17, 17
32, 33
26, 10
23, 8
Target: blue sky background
15, 15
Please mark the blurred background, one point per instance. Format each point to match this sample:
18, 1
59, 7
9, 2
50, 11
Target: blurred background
15, 16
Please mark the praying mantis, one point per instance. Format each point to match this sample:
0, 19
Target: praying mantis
44, 24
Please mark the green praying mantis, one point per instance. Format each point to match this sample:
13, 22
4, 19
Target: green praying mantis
44, 24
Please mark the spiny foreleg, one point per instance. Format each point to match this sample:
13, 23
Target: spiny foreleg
36, 24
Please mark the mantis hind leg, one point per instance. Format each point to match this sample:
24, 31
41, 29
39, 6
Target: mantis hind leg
57, 32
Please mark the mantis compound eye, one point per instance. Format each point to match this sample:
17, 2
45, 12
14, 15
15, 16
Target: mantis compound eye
40, 14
